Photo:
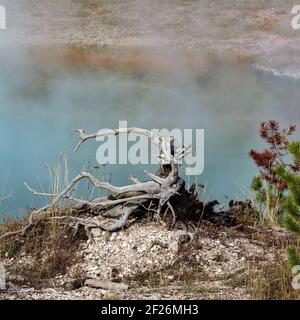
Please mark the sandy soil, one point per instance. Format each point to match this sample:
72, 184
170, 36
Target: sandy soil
249, 27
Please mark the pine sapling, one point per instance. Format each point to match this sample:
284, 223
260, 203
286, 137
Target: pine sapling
268, 187
291, 203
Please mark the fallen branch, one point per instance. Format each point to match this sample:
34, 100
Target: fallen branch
106, 285
5, 198
123, 201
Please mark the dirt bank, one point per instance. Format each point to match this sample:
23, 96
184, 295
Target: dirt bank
257, 28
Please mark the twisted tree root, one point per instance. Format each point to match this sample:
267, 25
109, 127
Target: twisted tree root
160, 188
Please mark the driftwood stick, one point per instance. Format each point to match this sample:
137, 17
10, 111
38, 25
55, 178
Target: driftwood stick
134, 179
106, 285
84, 137
166, 144
93, 222
5, 198
101, 202
159, 189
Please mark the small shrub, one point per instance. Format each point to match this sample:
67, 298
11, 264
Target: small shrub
269, 187
291, 203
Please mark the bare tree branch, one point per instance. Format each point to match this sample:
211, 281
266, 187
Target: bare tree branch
5, 198
152, 195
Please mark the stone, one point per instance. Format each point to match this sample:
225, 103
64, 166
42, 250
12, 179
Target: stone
104, 284
96, 232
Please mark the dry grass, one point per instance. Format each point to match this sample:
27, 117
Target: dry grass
46, 250
9, 248
113, 296
153, 279
262, 23
238, 59
93, 59
271, 281
139, 63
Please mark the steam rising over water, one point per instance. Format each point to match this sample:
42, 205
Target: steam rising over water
40, 105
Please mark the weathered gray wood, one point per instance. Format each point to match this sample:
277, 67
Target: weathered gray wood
106, 285
128, 198
5, 198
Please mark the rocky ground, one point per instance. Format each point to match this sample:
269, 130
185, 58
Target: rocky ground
154, 263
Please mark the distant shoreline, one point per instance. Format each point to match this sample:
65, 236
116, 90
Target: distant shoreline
262, 31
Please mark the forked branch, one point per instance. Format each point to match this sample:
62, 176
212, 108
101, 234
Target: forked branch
124, 200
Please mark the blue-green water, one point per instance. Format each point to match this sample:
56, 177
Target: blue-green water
40, 106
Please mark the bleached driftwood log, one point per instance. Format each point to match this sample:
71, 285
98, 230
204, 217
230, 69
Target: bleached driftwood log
5, 198
106, 285
125, 200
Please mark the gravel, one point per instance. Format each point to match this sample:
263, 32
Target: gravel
145, 250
